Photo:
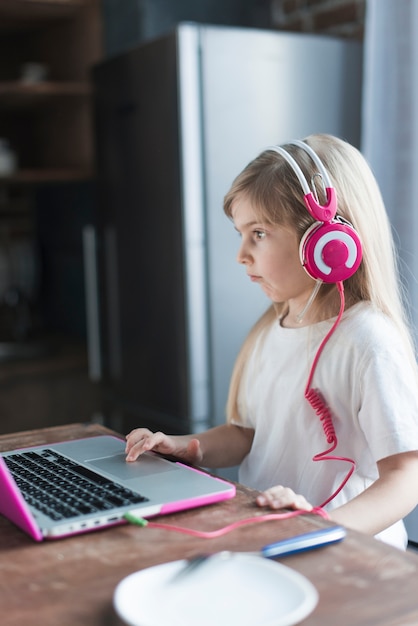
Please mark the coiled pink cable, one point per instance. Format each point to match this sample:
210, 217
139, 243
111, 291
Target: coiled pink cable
317, 402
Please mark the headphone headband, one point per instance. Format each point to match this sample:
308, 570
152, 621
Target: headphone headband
325, 212
315, 158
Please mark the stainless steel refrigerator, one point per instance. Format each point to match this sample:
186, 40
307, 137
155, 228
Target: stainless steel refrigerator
177, 118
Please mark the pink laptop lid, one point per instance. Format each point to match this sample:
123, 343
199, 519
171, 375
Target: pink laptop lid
13, 506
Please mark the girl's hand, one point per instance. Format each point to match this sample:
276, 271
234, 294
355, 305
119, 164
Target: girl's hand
279, 497
142, 440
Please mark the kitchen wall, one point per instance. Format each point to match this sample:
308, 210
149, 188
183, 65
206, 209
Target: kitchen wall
132, 21
334, 17
127, 23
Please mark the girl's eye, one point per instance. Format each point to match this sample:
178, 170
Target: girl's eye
259, 234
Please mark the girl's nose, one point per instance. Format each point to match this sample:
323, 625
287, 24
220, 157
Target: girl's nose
243, 256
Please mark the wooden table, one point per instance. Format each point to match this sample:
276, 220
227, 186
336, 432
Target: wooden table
70, 582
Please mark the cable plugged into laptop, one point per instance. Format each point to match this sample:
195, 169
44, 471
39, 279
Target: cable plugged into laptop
132, 518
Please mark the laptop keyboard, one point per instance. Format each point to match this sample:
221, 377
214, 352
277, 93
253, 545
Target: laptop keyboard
61, 489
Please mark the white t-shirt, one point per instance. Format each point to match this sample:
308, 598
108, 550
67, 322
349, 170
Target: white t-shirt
364, 376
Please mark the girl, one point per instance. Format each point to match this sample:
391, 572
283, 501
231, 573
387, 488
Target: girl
323, 404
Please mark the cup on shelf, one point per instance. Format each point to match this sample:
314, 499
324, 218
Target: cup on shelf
33, 72
8, 158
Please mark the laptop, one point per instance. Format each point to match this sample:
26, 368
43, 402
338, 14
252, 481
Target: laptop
55, 491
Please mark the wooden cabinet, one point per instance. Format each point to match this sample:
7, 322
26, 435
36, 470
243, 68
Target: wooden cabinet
48, 122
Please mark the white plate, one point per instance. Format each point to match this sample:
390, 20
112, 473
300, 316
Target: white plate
238, 590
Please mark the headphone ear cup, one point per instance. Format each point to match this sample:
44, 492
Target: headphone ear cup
331, 251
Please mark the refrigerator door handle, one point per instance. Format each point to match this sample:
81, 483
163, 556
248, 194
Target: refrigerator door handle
92, 302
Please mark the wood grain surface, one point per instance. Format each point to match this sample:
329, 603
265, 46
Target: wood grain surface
70, 582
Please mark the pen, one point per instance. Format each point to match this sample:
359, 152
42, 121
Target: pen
307, 541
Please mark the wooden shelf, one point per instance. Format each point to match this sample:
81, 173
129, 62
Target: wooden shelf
42, 176
28, 11
17, 94
48, 124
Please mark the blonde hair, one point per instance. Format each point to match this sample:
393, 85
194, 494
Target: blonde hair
275, 193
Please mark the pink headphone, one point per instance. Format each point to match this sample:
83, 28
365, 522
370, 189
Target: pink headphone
330, 250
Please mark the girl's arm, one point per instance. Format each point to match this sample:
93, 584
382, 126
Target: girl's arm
222, 446
392, 496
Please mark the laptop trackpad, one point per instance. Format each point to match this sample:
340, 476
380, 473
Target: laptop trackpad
146, 465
